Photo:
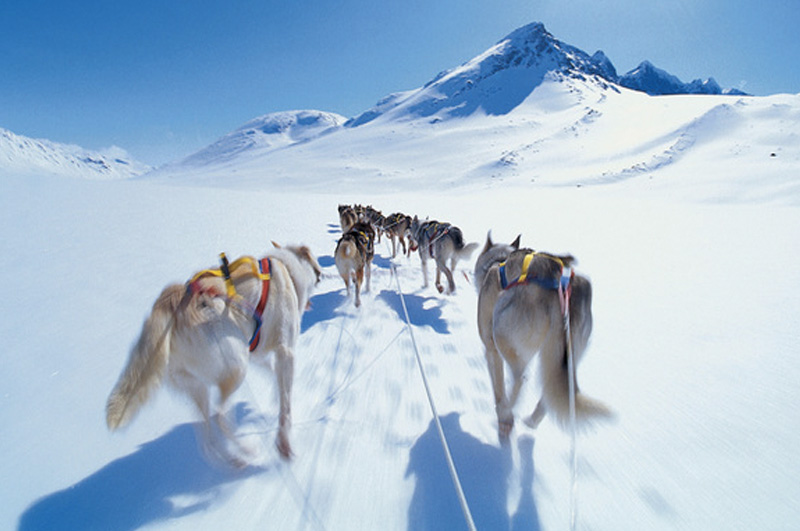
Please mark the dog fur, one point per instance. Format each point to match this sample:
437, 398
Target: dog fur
347, 217
517, 323
396, 226
447, 245
353, 256
200, 340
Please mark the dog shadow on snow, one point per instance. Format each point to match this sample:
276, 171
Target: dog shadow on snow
483, 471
165, 478
420, 311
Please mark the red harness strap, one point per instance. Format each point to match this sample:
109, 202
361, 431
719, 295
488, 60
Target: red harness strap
262, 303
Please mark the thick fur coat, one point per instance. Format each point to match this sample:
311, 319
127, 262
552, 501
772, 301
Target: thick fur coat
517, 323
199, 339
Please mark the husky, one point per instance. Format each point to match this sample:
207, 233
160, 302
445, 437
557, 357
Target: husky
202, 334
347, 217
525, 318
353, 257
443, 242
492, 254
376, 218
396, 226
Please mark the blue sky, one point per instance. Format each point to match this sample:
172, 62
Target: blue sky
164, 78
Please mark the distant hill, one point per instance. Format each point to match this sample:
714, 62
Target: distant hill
20, 154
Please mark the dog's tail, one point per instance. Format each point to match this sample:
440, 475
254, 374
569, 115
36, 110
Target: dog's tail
465, 252
147, 361
554, 374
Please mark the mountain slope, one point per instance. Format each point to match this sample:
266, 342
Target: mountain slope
496, 81
531, 95
268, 132
20, 154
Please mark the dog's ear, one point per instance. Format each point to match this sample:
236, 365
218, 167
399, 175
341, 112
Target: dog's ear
277, 246
515, 243
489, 242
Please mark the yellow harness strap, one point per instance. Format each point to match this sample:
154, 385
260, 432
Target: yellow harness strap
523, 277
526, 263
231, 289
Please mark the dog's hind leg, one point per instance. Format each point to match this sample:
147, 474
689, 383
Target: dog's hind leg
199, 394
424, 266
227, 386
505, 417
284, 370
368, 273
358, 281
451, 285
537, 416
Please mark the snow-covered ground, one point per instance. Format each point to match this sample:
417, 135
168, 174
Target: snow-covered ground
683, 211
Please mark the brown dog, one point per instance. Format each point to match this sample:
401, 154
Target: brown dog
353, 257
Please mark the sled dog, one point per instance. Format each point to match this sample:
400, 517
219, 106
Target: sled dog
443, 243
353, 257
396, 226
519, 318
347, 217
376, 218
201, 334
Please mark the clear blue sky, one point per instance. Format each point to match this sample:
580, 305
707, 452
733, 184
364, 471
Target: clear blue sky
164, 78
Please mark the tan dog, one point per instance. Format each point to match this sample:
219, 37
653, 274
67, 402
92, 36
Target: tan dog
353, 257
198, 335
347, 217
522, 320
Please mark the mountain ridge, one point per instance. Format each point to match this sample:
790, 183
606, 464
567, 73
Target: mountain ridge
494, 82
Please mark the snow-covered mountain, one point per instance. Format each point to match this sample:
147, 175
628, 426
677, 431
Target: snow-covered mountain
496, 81
23, 155
655, 81
268, 132
500, 82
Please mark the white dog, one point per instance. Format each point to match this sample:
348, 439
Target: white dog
199, 335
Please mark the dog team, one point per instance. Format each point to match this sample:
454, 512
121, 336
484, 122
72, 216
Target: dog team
201, 335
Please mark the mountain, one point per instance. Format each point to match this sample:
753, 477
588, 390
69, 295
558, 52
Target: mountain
495, 81
655, 81
268, 132
20, 154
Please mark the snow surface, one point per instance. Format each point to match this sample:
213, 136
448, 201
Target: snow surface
683, 210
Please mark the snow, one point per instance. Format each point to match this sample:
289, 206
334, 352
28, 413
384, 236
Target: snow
683, 211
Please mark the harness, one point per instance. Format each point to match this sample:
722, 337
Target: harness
563, 284
433, 230
259, 268
363, 239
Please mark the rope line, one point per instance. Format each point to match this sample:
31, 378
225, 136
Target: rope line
450, 464
573, 492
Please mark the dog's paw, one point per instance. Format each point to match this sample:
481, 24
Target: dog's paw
504, 428
284, 448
